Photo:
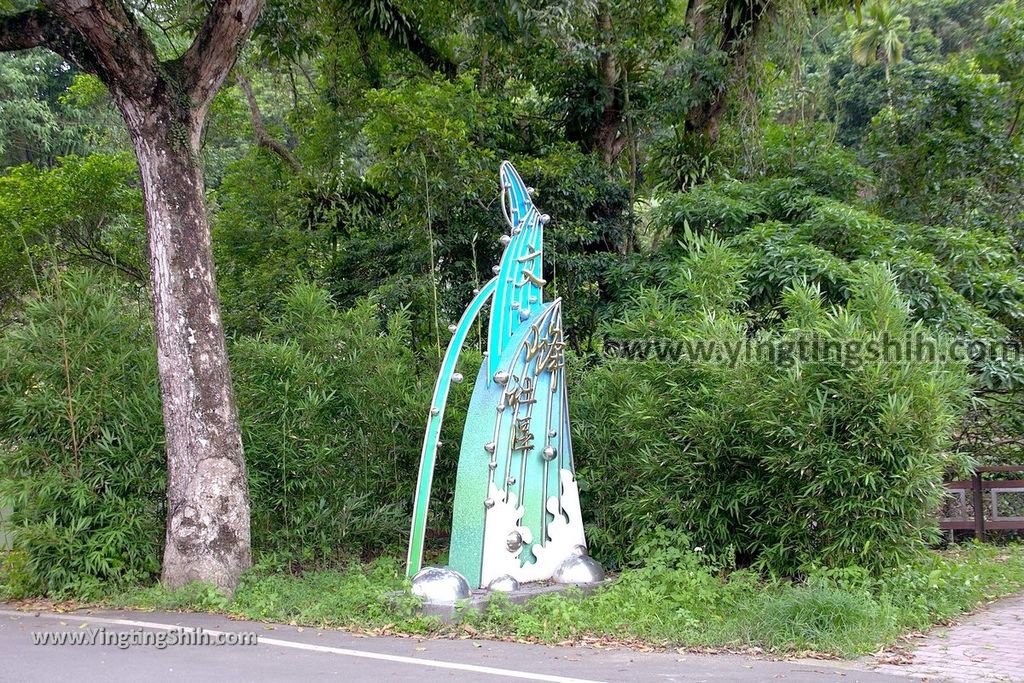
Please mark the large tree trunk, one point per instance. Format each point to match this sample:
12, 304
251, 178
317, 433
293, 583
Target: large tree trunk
607, 136
164, 105
207, 488
737, 24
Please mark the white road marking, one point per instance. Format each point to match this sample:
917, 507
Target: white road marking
346, 652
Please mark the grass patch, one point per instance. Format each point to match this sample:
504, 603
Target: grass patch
685, 603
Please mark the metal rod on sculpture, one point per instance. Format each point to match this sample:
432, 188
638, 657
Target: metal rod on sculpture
524, 348
492, 446
428, 454
547, 454
511, 297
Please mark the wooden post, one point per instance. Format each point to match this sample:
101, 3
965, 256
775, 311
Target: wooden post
979, 508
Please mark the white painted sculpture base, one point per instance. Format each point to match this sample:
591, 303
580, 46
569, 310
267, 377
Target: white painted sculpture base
502, 535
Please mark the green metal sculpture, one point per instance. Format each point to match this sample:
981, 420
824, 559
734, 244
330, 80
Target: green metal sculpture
517, 512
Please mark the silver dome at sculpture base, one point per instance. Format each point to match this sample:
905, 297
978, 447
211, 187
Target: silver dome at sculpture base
440, 585
504, 584
579, 568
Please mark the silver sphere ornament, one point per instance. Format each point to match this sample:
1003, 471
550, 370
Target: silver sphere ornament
488, 503
457, 377
501, 377
514, 541
489, 447
544, 218
505, 239
578, 568
503, 584
440, 585
435, 411
452, 328
531, 190
549, 453
495, 269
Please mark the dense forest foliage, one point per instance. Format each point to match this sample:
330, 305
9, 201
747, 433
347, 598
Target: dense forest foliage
730, 170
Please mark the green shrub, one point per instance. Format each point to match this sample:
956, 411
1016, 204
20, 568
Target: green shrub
16, 578
846, 231
783, 462
332, 410
962, 280
81, 437
941, 151
811, 155
711, 208
86, 210
779, 257
933, 300
258, 245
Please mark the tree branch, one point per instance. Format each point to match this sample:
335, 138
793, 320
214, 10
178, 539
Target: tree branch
41, 28
263, 138
606, 136
400, 29
25, 30
734, 42
208, 60
372, 72
121, 49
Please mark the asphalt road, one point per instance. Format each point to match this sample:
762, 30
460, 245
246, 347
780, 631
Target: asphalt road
286, 653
